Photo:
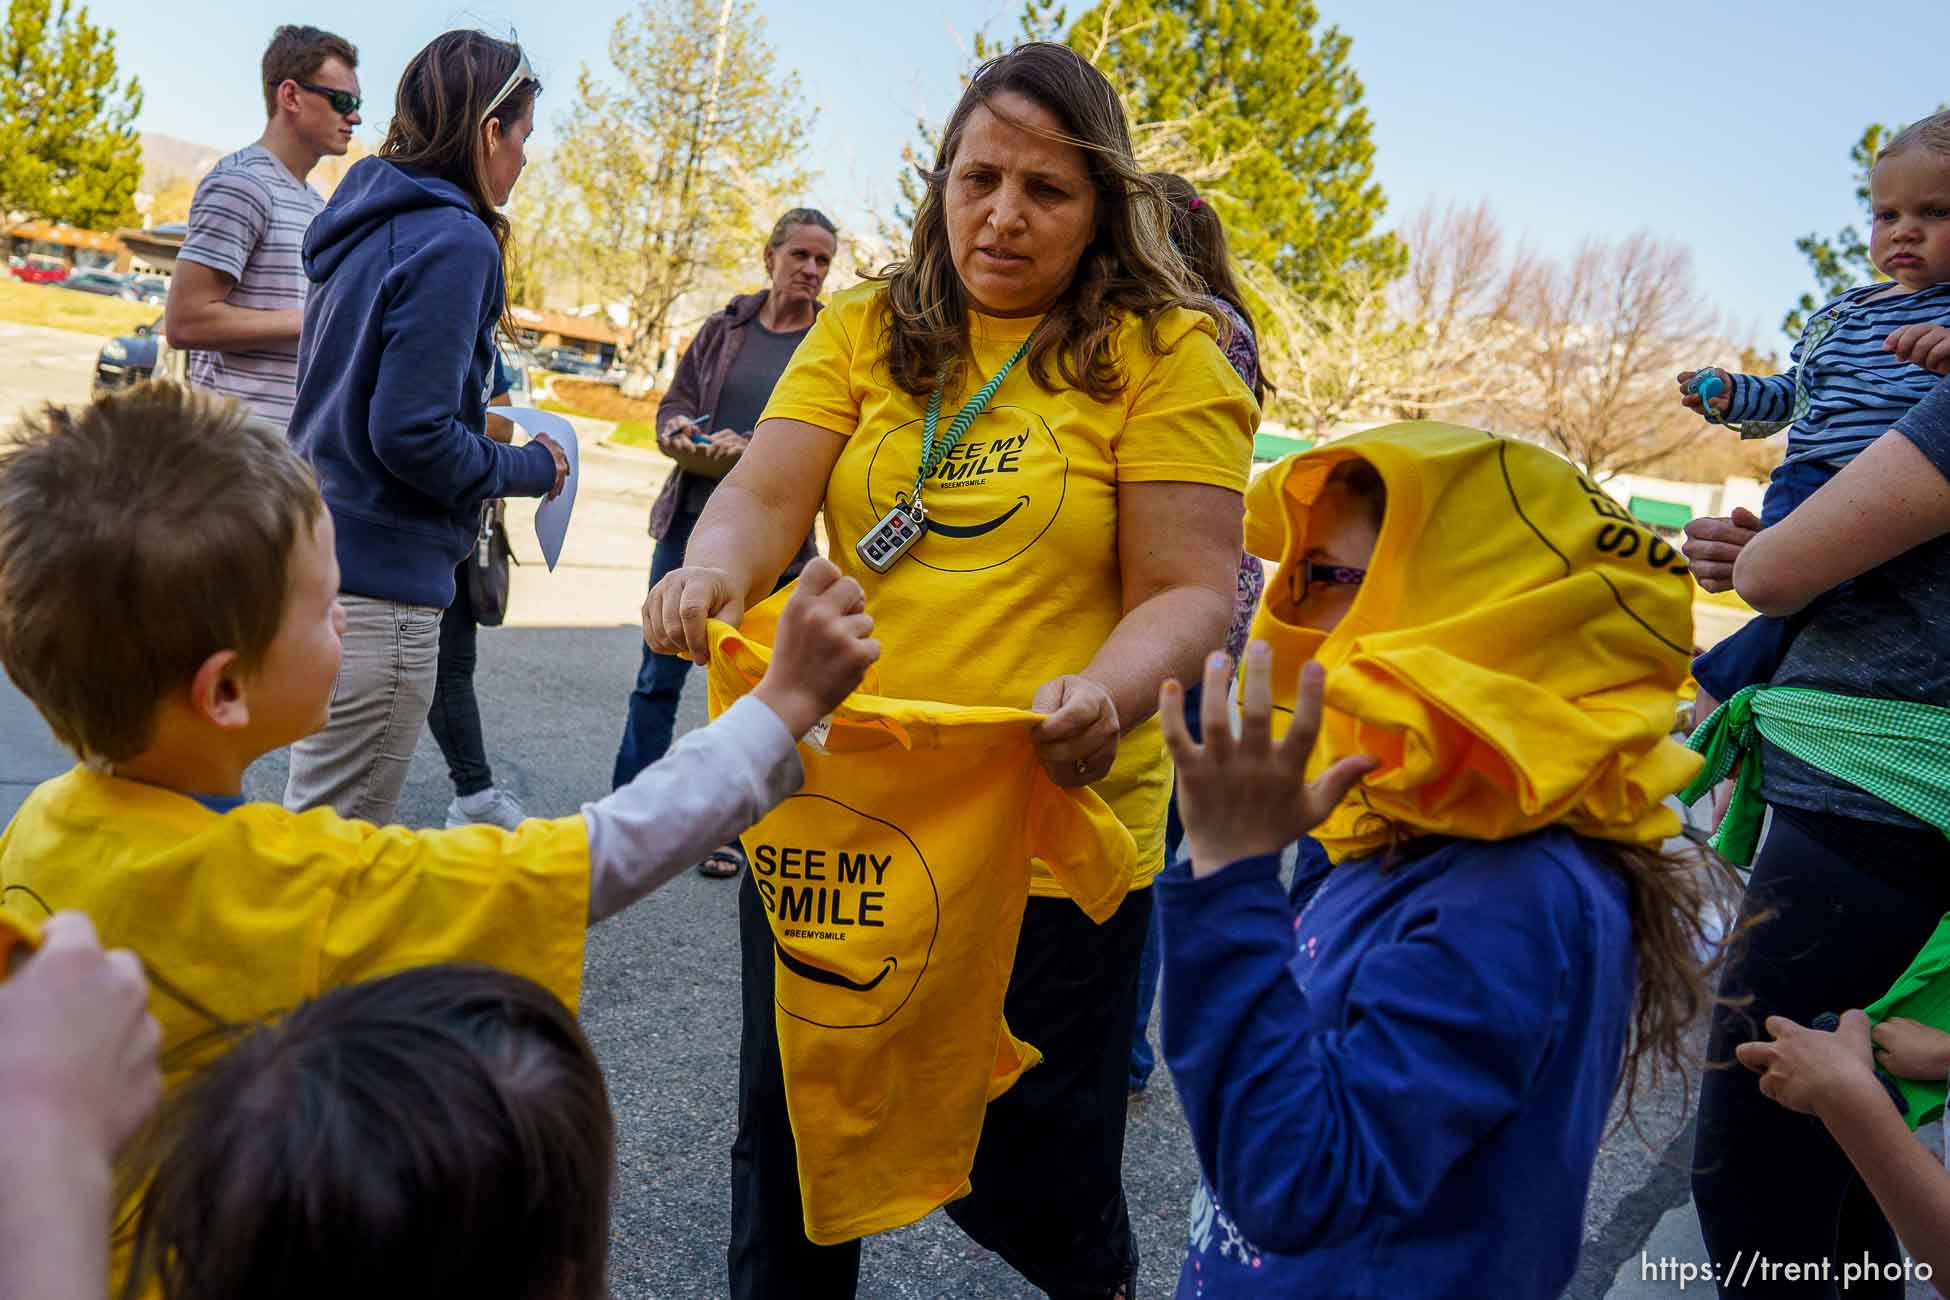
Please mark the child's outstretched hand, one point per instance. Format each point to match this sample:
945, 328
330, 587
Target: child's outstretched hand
1909, 1049
1248, 796
824, 647
1927, 346
1691, 400
1813, 1070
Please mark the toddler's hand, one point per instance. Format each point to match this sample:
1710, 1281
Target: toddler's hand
1910, 1050
824, 647
1244, 797
1809, 1070
1927, 346
1691, 400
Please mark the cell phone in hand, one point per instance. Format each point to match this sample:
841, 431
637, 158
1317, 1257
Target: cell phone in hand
698, 426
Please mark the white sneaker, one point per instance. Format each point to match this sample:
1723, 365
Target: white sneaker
490, 807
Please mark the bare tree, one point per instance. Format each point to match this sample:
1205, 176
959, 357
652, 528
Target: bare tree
1608, 330
1333, 358
674, 170
1462, 298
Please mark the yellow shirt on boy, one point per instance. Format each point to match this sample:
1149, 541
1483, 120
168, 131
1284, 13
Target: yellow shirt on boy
1017, 579
252, 911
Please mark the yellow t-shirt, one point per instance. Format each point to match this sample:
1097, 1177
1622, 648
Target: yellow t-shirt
1017, 579
1512, 657
254, 910
894, 883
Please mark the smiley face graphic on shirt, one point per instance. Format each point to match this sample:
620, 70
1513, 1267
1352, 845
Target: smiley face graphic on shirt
991, 498
853, 909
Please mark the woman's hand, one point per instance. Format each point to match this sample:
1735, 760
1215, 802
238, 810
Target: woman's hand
1077, 740
677, 609
1247, 796
1714, 543
561, 459
726, 445
1809, 1070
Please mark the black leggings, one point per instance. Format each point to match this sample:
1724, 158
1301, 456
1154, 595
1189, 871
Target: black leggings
455, 718
1852, 902
1048, 1190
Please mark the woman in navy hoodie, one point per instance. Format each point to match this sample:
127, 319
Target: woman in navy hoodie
394, 369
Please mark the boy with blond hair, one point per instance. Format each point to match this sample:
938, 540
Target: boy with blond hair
169, 602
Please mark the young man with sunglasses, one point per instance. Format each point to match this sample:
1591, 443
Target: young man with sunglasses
238, 295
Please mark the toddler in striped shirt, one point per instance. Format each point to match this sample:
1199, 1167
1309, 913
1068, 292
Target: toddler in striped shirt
1851, 377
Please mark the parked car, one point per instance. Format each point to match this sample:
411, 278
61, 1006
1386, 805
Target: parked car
522, 391
132, 358
567, 361
152, 289
39, 268
105, 283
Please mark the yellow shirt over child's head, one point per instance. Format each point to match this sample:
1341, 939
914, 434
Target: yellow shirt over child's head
1513, 656
1017, 579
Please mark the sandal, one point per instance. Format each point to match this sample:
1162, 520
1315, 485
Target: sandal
722, 864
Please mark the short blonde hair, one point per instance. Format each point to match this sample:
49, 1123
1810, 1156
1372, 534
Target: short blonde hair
139, 536
1932, 133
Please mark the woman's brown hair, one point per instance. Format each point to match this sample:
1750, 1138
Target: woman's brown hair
440, 1132
442, 105
1200, 238
1128, 268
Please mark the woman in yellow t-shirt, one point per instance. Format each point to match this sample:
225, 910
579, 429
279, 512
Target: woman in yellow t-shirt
1031, 453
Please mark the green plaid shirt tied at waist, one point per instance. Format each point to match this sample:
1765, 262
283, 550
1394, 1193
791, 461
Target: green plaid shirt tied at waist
1896, 750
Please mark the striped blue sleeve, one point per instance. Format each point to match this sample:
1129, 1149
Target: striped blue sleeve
1761, 397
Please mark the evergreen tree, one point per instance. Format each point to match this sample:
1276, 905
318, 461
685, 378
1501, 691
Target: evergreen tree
68, 145
1263, 102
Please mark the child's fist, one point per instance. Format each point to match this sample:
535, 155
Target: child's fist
1927, 346
1910, 1050
1692, 401
824, 646
1245, 796
1810, 1070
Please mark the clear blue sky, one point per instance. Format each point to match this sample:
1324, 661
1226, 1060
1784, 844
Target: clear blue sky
1573, 119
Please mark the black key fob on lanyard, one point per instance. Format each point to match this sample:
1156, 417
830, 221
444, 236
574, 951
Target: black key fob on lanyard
893, 536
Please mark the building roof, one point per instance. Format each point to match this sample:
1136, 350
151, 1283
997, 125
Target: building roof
592, 329
53, 232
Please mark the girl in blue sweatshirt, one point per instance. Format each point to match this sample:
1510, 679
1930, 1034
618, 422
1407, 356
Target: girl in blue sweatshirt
1401, 1090
395, 366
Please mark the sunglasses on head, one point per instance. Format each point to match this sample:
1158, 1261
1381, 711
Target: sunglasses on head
521, 74
343, 102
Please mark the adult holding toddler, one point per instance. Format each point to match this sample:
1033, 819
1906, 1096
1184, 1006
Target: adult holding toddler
1845, 746
394, 371
1031, 452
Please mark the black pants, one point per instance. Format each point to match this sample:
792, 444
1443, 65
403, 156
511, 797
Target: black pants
1048, 1188
455, 718
1852, 902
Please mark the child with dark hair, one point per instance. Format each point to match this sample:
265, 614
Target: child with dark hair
440, 1132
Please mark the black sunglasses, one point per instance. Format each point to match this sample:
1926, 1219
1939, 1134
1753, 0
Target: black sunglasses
1313, 571
343, 102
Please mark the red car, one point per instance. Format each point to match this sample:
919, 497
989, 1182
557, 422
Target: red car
38, 268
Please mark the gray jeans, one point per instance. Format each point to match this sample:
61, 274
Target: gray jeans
356, 763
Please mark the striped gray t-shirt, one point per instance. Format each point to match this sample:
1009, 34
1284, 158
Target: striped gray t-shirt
248, 221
